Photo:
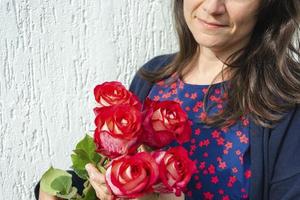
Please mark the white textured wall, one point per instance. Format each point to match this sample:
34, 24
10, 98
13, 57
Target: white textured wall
52, 54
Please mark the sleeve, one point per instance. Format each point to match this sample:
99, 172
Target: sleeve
285, 181
287, 189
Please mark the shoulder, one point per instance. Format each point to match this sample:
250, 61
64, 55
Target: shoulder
141, 87
158, 61
291, 119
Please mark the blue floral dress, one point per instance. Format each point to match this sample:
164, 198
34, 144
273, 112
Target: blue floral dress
222, 155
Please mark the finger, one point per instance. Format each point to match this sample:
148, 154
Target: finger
97, 181
101, 191
94, 174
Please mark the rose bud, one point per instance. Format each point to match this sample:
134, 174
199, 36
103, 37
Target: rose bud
132, 176
118, 130
176, 170
164, 121
114, 93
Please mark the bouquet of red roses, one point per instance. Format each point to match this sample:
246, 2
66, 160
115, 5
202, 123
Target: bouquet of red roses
123, 127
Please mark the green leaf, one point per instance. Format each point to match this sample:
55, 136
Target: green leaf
52, 179
62, 184
87, 144
101, 168
71, 195
84, 153
88, 192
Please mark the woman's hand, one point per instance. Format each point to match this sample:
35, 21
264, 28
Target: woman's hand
97, 181
45, 196
170, 197
162, 196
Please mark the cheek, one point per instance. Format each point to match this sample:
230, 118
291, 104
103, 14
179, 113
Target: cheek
243, 20
189, 6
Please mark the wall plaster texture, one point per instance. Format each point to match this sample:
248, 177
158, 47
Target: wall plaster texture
52, 54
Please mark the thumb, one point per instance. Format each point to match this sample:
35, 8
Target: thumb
94, 173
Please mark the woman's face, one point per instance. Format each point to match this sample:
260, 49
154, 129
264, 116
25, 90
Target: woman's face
221, 24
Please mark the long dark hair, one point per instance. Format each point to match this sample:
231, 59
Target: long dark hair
265, 74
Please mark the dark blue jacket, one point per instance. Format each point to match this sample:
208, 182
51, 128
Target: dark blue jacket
275, 153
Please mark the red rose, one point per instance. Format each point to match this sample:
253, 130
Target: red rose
163, 122
114, 93
118, 130
176, 169
132, 176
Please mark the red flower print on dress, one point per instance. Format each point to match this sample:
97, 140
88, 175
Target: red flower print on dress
174, 85
193, 147
204, 143
203, 116
156, 98
199, 104
219, 151
208, 195
166, 95
228, 145
197, 131
195, 109
202, 165
234, 170
222, 165
220, 141
198, 185
193, 95
238, 133
221, 191
224, 129
215, 134
244, 139
247, 174
187, 108
214, 179
225, 197
217, 91
231, 181
211, 169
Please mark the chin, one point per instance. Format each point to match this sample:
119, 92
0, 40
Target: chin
209, 43
208, 40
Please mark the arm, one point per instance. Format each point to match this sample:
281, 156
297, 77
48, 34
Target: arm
288, 189
170, 197
284, 158
161, 197
45, 196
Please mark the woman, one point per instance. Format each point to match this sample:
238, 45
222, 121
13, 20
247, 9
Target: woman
237, 75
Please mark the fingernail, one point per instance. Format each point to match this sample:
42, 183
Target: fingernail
88, 167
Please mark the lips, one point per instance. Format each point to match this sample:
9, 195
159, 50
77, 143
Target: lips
212, 24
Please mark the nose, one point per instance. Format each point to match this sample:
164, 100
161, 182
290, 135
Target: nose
214, 7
